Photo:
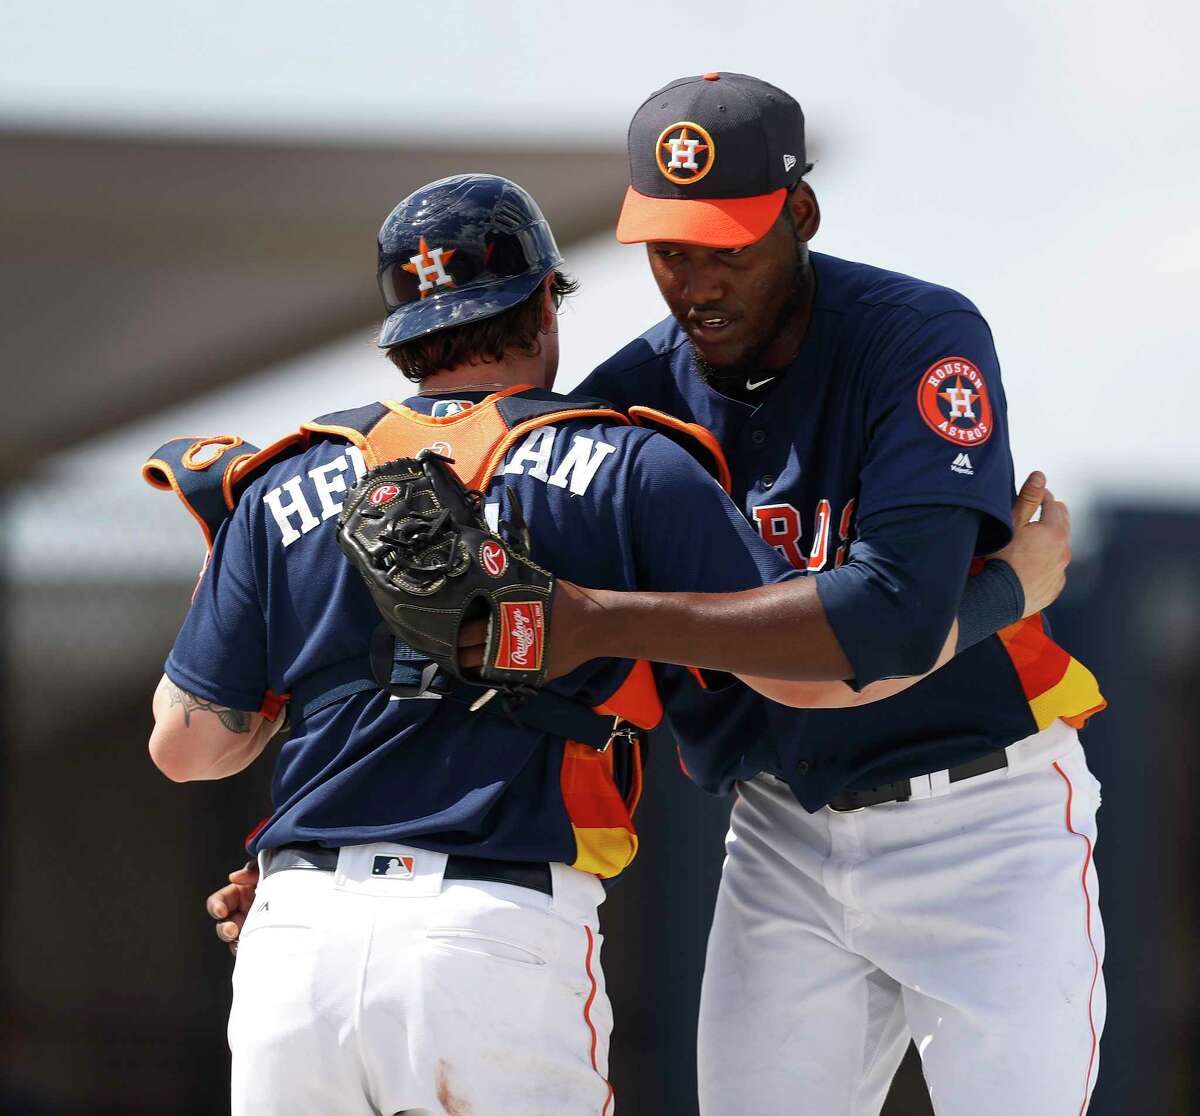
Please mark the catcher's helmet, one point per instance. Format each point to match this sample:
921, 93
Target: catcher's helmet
460, 250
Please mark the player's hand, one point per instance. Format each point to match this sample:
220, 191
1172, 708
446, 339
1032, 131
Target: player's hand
230, 905
569, 640
1040, 551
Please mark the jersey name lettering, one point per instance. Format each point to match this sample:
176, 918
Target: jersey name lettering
292, 511
577, 469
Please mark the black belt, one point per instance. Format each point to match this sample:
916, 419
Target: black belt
521, 873
902, 791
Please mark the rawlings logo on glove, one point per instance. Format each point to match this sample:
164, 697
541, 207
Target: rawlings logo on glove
522, 632
420, 542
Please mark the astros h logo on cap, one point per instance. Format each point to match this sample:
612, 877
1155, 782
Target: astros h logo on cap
685, 152
679, 190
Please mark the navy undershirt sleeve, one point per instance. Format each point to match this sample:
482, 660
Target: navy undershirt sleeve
892, 603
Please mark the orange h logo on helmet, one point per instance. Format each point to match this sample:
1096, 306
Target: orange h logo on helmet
428, 266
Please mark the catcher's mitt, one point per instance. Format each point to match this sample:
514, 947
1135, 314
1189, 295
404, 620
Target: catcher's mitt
419, 539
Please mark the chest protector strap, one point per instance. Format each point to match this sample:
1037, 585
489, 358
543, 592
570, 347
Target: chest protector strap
696, 439
478, 439
209, 474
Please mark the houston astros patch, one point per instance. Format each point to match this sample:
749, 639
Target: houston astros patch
953, 400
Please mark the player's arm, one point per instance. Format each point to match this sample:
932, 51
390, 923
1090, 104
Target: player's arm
198, 739
216, 672
891, 612
841, 695
1030, 569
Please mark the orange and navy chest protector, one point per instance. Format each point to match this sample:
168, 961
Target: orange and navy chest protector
381, 746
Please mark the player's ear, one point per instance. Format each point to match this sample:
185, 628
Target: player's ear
806, 213
548, 323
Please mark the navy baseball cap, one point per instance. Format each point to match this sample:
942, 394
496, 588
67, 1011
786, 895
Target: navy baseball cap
711, 159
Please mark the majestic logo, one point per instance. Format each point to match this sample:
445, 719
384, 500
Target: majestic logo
684, 153
445, 408
953, 401
962, 464
383, 494
428, 266
441, 448
522, 634
394, 867
494, 558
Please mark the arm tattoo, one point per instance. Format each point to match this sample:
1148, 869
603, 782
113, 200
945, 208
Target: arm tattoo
233, 719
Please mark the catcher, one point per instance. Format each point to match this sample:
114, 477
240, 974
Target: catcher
425, 936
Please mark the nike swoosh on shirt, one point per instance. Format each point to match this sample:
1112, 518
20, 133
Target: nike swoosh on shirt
750, 385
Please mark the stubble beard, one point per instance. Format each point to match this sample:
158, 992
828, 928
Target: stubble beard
727, 375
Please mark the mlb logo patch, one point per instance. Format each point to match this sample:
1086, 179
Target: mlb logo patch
394, 867
448, 408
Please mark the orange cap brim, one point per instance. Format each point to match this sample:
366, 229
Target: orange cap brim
709, 222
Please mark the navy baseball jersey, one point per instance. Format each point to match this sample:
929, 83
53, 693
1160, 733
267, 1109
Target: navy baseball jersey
893, 402
611, 506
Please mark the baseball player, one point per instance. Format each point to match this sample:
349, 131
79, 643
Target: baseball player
917, 869
424, 936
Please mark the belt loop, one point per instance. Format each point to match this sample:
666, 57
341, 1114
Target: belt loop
919, 786
577, 894
939, 783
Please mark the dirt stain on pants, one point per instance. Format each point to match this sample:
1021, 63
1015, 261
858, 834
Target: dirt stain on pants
451, 1104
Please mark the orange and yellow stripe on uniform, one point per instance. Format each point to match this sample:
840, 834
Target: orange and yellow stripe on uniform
600, 811
1056, 685
601, 818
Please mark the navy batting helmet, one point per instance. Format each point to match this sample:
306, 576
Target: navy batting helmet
460, 250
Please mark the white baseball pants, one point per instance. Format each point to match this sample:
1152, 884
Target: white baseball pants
355, 993
967, 921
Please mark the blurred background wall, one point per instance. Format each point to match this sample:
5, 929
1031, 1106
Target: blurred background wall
188, 203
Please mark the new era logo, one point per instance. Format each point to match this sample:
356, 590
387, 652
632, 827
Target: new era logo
962, 464
789, 161
394, 867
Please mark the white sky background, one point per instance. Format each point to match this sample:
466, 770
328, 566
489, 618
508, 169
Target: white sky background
1041, 158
